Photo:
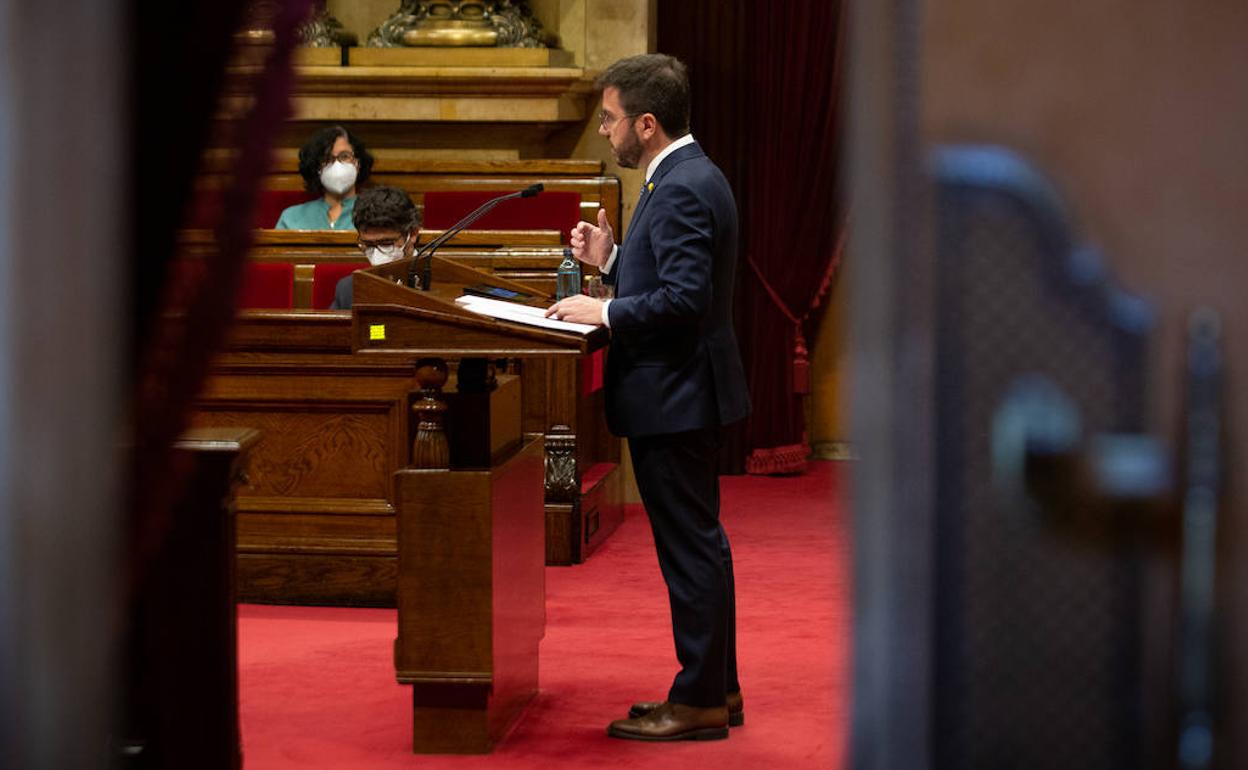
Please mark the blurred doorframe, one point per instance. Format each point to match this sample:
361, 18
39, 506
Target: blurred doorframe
891, 287
63, 241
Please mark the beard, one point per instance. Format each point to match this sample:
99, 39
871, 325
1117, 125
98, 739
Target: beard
628, 154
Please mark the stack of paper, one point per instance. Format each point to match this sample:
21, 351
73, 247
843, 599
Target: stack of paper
524, 314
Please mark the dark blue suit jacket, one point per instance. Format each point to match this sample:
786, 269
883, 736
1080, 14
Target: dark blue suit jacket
673, 364
343, 294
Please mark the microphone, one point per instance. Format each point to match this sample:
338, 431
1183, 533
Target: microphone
426, 276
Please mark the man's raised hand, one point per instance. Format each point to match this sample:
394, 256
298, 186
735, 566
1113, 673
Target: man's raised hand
592, 244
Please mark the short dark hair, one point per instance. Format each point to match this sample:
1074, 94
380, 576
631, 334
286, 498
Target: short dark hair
385, 208
654, 83
314, 154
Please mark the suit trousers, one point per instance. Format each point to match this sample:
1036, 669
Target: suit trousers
677, 475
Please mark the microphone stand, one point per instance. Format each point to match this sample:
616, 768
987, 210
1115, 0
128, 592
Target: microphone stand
426, 276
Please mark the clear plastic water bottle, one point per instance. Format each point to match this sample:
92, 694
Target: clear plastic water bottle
568, 277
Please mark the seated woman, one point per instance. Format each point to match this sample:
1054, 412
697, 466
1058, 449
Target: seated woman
388, 226
333, 163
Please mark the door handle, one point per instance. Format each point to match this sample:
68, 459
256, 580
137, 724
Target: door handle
1115, 485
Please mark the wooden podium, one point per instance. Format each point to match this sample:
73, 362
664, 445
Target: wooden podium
317, 520
583, 492
471, 580
392, 318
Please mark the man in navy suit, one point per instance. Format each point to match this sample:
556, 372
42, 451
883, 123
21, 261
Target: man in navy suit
674, 377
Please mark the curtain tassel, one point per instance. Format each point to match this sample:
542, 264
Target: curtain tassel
801, 364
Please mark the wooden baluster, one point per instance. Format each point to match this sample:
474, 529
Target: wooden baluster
430, 448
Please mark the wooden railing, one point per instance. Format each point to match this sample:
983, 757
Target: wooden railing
528, 256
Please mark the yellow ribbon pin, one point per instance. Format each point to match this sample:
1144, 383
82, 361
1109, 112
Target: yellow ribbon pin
650, 187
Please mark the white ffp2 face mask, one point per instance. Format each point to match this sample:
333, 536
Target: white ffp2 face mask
338, 177
380, 255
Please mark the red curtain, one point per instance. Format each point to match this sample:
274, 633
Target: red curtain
173, 122
766, 81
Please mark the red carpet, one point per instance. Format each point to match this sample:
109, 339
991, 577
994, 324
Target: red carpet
318, 687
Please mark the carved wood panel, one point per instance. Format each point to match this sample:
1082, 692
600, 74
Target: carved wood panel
313, 453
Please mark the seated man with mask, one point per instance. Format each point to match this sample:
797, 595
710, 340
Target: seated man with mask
387, 223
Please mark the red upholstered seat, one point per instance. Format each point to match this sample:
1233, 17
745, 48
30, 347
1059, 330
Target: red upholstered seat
545, 211
272, 203
269, 285
206, 207
593, 368
325, 277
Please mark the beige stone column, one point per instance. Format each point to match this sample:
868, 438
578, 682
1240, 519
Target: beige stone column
608, 30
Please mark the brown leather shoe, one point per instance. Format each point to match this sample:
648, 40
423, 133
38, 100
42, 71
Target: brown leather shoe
674, 722
736, 709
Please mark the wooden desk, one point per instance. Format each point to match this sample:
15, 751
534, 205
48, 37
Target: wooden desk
181, 689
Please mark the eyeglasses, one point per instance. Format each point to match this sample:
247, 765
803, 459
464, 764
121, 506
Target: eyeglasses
346, 156
608, 121
384, 243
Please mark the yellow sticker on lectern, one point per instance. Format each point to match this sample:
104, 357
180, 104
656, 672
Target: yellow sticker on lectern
376, 331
